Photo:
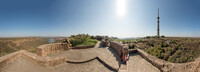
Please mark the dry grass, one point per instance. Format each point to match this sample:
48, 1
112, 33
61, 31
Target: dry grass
173, 49
9, 45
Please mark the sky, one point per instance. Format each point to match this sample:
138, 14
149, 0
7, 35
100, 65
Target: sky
119, 18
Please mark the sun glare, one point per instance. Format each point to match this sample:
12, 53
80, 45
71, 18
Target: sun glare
121, 8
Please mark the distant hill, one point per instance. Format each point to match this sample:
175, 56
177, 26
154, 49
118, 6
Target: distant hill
9, 45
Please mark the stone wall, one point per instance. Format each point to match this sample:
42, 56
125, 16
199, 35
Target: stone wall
83, 47
5, 60
165, 66
45, 49
104, 43
43, 61
40, 60
117, 46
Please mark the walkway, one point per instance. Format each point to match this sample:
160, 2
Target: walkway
22, 65
135, 64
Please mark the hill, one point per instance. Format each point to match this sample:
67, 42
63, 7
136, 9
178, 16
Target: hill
9, 45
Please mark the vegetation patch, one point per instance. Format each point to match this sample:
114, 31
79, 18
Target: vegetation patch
9, 45
82, 40
177, 50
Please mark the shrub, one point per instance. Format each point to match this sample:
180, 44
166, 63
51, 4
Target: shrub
164, 45
162, 36
82, 39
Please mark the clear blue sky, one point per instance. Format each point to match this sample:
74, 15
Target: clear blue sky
121, 18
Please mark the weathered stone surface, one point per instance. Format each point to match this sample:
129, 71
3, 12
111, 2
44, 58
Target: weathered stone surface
117, 46
165, 66
5, 60
23, 65
43, 50
104, 43
137, 64
42, 61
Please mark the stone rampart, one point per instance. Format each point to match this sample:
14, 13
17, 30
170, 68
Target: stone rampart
104, 43
5, 60
43, 61
117, 46
45, 49
165, 66
40, 60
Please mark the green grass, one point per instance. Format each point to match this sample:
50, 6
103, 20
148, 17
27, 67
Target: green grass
82, 40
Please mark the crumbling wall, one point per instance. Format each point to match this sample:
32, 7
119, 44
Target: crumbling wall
104, 43
117, 46
45, 49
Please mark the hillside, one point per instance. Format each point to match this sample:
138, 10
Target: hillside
172, 49
9, 45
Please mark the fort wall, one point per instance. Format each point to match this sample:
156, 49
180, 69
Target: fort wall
40, 60
45, 49
5, 60
117, 46
166, 66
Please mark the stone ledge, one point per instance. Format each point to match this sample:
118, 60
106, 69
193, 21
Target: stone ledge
108, 64
132, 50
47, 61
102, 60
5, 60
42, 61
45, 49
165, 66
80, 61
117, 46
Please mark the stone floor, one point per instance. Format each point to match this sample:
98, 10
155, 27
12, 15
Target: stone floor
85, 54
135, 64
22, 65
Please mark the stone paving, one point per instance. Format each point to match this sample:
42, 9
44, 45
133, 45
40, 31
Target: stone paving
135, 63
22, 65
85, 54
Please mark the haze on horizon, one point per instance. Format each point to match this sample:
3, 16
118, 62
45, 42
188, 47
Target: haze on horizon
119, 18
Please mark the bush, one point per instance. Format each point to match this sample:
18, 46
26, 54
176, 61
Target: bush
162, 36
165, 45
82, 39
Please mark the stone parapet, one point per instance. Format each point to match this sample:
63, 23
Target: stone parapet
165, 66
45, 49
5, 60
117, 46
104, 43
42, 61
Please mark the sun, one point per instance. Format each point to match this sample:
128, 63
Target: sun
121, 7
